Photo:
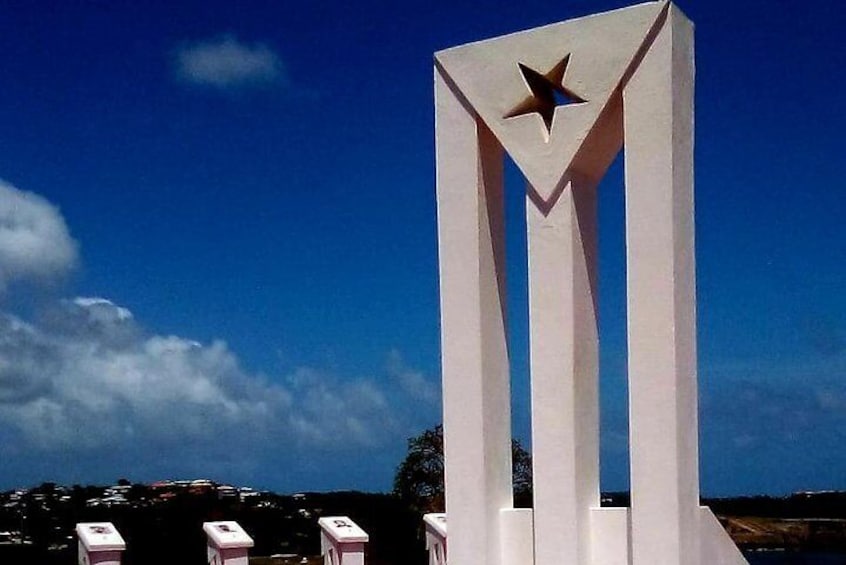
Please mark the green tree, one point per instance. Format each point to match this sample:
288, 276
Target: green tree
419, 480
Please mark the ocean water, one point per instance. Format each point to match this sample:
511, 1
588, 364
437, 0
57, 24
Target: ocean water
786, 558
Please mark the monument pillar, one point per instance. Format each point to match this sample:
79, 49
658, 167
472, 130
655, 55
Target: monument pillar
658, 113
564, 360
474, 350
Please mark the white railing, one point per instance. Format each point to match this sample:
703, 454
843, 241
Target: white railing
100, 543
342, 542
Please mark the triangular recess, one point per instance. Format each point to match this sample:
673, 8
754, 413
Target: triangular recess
601, 49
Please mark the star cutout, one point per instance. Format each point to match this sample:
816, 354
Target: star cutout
547, 93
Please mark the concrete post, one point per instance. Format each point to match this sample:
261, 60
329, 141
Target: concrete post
342, 541
658, 113
564, 357
474, 350
436, 538
99, 544
228, 543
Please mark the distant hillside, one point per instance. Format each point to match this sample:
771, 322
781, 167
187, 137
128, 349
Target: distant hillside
802, 521
37, 525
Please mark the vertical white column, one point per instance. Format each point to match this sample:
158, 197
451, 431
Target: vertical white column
658, 109
476, 387
564, 374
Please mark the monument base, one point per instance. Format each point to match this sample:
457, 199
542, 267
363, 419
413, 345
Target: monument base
611, 538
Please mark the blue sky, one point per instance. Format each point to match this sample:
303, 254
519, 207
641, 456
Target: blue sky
218, 254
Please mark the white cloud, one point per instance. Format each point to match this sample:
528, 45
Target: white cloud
35, 243
85, 378
225, 62
412, 381
104, 308
88, 376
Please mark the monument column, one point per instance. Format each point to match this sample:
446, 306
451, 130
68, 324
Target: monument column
658, 113
564, 373
476, 381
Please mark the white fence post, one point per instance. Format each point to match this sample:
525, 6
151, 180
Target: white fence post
342, 541
99, 543
436, 538
228, 543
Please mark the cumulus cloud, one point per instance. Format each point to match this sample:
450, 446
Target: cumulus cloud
225, 62
760, 413
91, 377
328, 413
412, 381
35, 243
790, 416
88, 376
84, 379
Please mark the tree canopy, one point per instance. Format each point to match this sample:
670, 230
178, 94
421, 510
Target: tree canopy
419, 480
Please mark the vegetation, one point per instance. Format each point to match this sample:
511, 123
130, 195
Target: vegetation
419, 481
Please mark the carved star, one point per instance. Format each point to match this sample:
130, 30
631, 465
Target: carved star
547, 93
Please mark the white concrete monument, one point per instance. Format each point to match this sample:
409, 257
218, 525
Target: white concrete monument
342, 541
227, 543
562, 100
99, 543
